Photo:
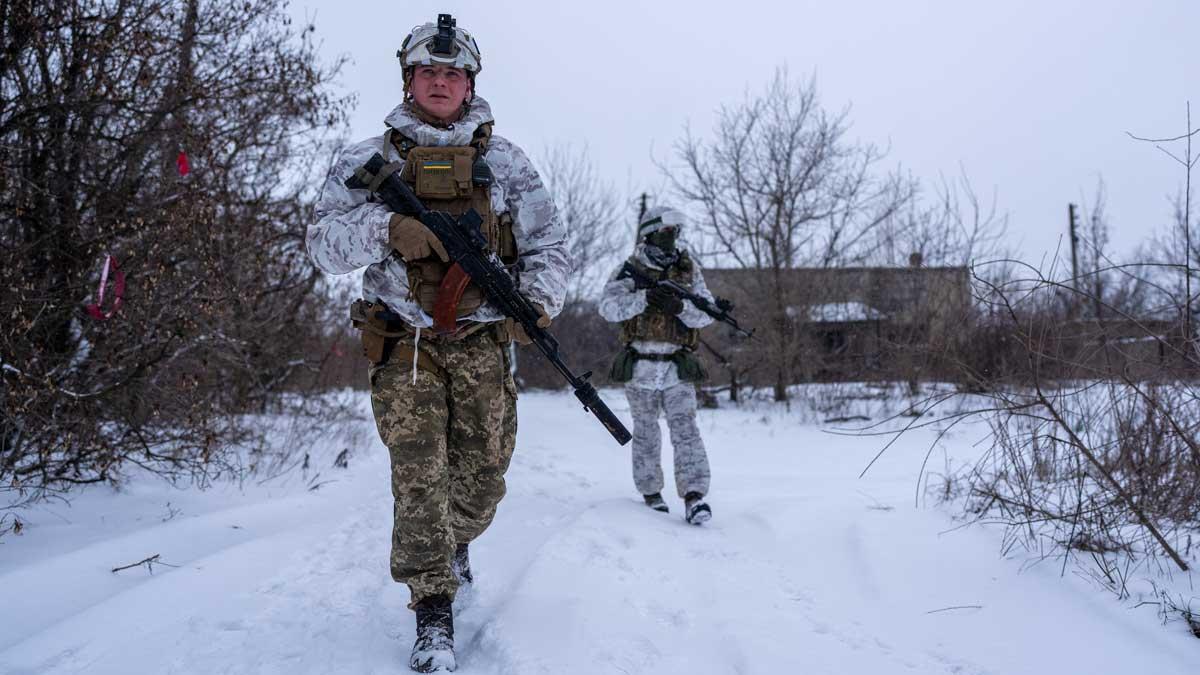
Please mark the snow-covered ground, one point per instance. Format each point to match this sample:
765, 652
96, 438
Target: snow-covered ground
805, 568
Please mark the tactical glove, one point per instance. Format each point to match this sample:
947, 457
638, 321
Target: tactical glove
518, 331
413, 240
664, 301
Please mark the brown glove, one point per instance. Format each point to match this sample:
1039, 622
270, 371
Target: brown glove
664, 301
518, 331
413, 240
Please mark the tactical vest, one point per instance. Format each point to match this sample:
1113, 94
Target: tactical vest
652, 324
453, 179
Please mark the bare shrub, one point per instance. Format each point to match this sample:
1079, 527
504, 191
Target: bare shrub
177, 138
1094, 433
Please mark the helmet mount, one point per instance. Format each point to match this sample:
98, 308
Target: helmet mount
443, 42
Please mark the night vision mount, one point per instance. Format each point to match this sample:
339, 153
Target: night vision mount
443, 42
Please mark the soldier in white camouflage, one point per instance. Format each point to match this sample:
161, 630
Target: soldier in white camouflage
441, 384
659, 335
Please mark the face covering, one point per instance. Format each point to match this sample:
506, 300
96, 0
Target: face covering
663, 239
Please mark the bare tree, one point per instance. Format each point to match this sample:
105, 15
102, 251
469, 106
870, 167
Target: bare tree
781, 185
952, 227
594, 214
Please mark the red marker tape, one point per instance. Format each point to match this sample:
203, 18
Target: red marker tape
181, 163
94, 310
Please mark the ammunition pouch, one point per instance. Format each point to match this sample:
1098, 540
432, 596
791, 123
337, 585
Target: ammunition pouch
622, 366
440, 172
687, 366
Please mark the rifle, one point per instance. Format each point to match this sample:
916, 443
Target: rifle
720, 310
469, 250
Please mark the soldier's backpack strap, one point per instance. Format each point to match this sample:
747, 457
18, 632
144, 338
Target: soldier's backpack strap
482, 137
399, 141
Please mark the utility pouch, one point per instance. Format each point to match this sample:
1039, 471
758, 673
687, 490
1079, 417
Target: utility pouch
688, 366
622, 367
440, 172
375, 331
372, 346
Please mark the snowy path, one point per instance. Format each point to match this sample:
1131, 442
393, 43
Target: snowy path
804, 569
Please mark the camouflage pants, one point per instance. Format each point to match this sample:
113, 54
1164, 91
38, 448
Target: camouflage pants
691, 462
450, 435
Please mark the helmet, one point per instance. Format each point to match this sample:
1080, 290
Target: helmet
444, 44
657, 218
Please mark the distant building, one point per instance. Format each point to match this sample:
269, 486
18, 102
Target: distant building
846, 323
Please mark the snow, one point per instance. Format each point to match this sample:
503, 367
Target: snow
837, 312
805, 568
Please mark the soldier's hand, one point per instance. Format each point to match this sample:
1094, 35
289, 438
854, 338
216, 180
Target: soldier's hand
413, 240
664, 301
518, 331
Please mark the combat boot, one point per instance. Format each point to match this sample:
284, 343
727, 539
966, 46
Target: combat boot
655, 501
433, 652
696, 511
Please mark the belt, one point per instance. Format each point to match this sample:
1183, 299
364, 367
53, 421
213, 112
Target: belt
654, 357
378, 319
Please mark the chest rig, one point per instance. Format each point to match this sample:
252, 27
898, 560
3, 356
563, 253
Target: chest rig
453, 179
652, 324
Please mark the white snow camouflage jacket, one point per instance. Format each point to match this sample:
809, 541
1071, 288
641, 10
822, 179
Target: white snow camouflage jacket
622, 301
352, 233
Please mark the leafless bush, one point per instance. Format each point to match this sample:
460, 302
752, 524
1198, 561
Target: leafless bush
97, 102
1176, 607
1089, 386
1095, 453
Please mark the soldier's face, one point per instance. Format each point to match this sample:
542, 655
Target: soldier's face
440, 90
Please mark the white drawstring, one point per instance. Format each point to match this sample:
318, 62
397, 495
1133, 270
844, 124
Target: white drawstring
416, 350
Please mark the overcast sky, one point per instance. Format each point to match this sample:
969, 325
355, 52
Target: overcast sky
1033, 99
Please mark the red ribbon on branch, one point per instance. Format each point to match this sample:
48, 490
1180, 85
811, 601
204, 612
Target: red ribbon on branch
118, 290
182, 164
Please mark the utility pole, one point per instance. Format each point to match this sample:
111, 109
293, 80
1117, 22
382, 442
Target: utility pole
1074, 246
1097, 282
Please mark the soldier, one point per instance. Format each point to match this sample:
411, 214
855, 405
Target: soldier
658, 365
442, 391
